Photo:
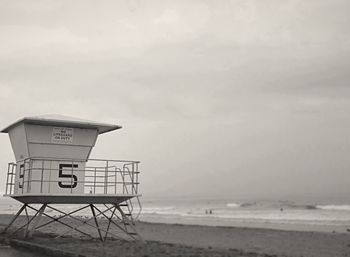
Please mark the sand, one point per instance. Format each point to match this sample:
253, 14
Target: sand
193, 240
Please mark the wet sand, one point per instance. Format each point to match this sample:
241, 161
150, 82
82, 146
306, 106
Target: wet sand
192, 240
10, 252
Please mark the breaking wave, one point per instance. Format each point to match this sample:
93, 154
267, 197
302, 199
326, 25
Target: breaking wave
233, 205
343, 207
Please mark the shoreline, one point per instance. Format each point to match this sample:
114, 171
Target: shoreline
173, 219
199, 240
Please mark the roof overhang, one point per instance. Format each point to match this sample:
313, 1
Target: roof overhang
58, 120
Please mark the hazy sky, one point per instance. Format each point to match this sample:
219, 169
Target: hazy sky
234, 99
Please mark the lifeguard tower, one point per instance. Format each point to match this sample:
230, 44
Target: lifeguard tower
53, 168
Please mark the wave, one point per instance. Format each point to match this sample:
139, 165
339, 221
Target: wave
237, 205
343, 207
233, 205
159, 210
301, 217
302, 206
273, 205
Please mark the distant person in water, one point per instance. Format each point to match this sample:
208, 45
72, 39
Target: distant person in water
209, 212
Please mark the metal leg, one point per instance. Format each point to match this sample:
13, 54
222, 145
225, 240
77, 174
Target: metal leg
28, 221
109, 223
124, 220
36, 221
111, 220
27, 224
27, 216
115, 215
94, 214
14, 218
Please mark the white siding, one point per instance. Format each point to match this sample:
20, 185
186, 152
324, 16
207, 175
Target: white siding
41, 145
19, 142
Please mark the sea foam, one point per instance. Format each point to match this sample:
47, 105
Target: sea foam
343, 207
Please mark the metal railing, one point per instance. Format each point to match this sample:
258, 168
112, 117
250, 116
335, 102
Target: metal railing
67, 176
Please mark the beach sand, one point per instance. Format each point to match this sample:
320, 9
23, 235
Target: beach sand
193, 240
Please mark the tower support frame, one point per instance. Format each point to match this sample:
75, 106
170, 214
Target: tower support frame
114, 215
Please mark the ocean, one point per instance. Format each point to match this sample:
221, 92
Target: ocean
285, 215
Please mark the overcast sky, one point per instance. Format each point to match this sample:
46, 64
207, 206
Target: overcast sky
234, 99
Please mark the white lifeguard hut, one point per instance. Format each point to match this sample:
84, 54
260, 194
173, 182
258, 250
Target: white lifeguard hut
53, 168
